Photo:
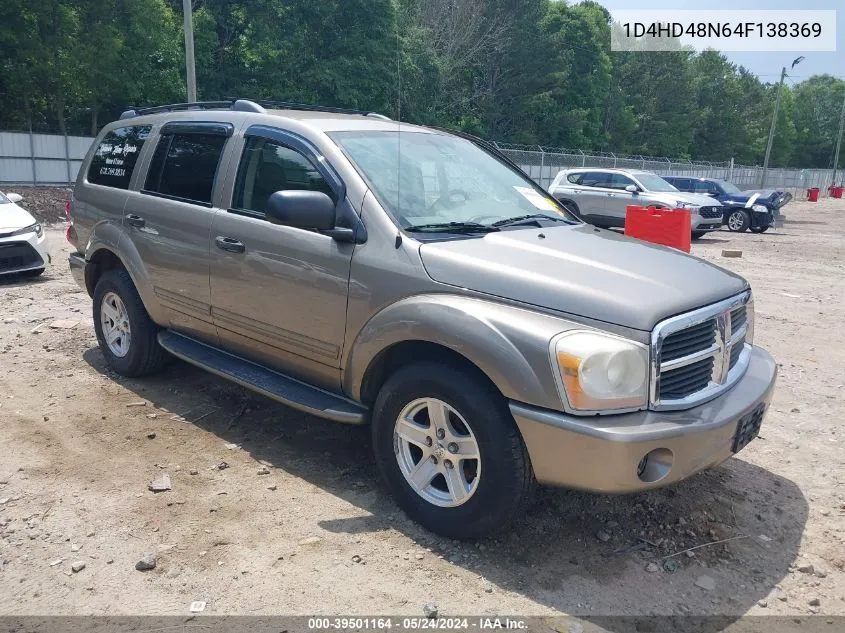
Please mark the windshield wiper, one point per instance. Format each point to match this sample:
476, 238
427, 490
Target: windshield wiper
451, 227
527, 219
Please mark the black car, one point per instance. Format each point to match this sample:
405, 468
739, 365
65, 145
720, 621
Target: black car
753, 209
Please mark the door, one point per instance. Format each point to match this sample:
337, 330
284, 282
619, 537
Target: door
279, 293
169, 221
618, 200
592, 194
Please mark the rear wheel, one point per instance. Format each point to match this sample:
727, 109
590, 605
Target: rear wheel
738, 221
571, 207
448, 449
125, 332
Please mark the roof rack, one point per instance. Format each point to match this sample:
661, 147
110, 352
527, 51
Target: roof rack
245, 105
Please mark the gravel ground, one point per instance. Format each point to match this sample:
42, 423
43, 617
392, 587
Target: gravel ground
316, 533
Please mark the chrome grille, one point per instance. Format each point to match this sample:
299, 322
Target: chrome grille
690, 340
698, 355
681, 382
710, 212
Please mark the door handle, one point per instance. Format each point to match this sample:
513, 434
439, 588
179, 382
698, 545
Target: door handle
229, 244
135, 220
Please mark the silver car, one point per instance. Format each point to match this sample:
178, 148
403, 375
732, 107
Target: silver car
601, 197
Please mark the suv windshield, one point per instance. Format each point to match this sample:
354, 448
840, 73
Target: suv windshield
438, 181
652, 182
728, 187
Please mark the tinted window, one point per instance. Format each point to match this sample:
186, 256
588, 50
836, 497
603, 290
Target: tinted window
618, 181
267, 167
596, 179
116, 155
701, 186
574, 178
184, 166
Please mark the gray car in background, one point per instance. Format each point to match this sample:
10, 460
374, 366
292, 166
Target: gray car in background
374, 272
601, 197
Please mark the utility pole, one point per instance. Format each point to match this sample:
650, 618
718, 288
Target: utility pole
838, 143
774, 122
189, 50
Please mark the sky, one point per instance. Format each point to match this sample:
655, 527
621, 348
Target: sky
766, 65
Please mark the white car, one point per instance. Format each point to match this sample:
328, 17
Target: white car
23, 245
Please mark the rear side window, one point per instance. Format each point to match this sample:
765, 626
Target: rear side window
184, 166
596, 179
575, 178
116, 155
684, 184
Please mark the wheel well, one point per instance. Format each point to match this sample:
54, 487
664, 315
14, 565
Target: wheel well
102, 261
407, 353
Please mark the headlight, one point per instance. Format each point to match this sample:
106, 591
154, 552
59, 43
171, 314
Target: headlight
683, 205
600, 371
759, 208
32, 228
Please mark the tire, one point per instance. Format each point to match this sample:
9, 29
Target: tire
759, 229
143, 355
32, 273
571, 207
738, 221
699, 234
502, 476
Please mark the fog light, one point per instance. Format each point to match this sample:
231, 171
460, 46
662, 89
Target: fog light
655, 465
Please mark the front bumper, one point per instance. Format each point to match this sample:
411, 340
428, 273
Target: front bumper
21, 253
603, 453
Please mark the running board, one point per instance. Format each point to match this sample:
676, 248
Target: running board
265, 381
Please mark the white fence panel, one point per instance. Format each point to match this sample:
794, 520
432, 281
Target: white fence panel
13, 144
15, 170
41, 159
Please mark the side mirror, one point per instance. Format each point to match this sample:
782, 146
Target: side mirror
302, 209
14, 197
632, 189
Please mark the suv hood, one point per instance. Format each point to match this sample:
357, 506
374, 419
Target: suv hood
769, 197
583, 271
12, 217
672, 197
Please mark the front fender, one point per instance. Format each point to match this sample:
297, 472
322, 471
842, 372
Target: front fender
509, 344
110, 236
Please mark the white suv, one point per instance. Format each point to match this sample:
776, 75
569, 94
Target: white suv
601, 197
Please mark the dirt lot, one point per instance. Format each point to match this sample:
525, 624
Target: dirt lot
318, 534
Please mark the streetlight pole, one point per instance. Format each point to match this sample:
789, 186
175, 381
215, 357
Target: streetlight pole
189, 51
838, 143
774, 123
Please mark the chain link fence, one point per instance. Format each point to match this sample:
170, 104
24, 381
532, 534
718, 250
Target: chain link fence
49, 159
543, 164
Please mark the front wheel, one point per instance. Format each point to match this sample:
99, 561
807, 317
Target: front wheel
449, 450
759, 229
699, 234
739, 221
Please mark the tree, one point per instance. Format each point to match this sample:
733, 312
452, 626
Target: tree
818, 102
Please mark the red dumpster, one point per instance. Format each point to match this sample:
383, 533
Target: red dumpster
835, 192
813, 194
670, 227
